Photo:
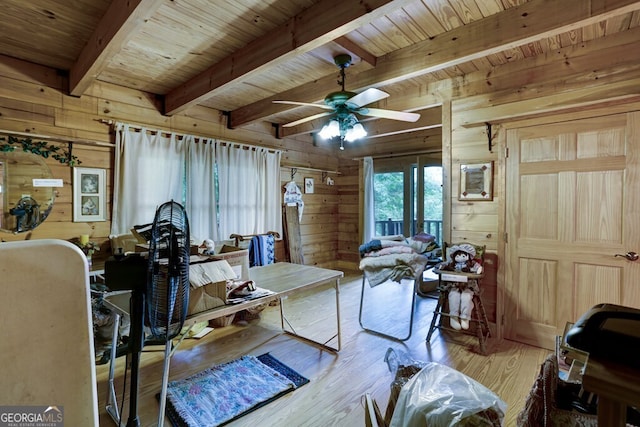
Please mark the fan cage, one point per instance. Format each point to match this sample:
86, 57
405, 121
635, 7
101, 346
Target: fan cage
168, 272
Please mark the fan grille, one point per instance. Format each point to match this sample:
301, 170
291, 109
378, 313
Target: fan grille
168, 271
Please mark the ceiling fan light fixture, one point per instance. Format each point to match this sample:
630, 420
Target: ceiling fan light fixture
330, 130
356, 132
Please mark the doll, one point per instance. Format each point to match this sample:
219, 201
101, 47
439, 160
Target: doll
209, 247
461, 293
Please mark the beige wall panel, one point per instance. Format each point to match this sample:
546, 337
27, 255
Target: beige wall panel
37, 129
348, 198
471, 152
115, 110
327, 229
85, 104
472, 222
29, 72
475, 207
489, 239
603, 193
29, 92
103, 90
540, 278
12, 109
557, 64
596, 284
78, 120
593, 144
539, 149
555, 100
64, 230
94, 157
25, 116
539, 194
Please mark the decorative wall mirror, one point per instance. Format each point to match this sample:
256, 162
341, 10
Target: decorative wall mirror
27, 191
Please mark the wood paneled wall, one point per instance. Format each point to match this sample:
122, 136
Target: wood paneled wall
595, 73
33, 101
319, 223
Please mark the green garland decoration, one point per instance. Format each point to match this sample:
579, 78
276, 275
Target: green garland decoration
40, 148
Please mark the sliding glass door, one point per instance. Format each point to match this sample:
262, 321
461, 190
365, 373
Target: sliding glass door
408, 196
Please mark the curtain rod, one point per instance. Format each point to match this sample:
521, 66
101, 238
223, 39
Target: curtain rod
411, 153
58, 139
140, 127
309, 169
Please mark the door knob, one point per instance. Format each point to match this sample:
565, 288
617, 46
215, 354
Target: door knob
631, 256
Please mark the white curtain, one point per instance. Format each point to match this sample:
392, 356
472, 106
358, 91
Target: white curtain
149, 171
249, 189
201, 192
369, 225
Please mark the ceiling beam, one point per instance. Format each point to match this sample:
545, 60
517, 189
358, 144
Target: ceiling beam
119, 24
356, 50
311, 28
513, 27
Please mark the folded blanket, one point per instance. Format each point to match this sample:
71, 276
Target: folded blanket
396, 237
393, 267
374, 245
397, 249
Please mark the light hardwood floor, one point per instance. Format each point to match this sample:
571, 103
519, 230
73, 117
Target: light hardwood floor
334, 396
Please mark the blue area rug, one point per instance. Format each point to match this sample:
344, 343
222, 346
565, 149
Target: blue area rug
223, 393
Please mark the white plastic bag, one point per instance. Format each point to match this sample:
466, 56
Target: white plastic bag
439, 396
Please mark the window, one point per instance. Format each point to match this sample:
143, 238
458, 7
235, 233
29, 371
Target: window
408, 197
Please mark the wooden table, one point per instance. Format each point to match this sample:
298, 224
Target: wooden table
284, 279
616, 386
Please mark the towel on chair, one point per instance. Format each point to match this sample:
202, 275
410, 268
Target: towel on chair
262, 250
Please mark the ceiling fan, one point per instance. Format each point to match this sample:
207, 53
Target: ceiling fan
344, 105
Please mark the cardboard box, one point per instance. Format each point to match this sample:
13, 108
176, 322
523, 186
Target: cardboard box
237, 258
207, 297
208, 284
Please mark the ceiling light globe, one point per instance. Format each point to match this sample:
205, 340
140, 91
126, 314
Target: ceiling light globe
359, 131
330, 130
325, 132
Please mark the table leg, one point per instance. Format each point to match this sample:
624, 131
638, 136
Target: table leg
321, 345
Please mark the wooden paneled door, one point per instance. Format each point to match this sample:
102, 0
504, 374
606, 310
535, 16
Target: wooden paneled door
573, 203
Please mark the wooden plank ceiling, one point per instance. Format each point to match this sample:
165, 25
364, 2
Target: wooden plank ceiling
238, 56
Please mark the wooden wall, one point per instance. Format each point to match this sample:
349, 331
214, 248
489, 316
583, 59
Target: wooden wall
33, 102
319, 223
595, 73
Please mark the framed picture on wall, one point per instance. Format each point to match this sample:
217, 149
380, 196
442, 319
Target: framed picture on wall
308, 185
89, 195
476, 181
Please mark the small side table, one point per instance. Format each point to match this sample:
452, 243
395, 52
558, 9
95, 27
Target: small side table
616, 386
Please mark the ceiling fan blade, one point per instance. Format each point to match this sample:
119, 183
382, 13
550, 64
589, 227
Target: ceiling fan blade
304, 104
367, 97
390, 114
307, 119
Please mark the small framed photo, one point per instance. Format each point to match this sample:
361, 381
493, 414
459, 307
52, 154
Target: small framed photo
476, 181
89, 195
308, 185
